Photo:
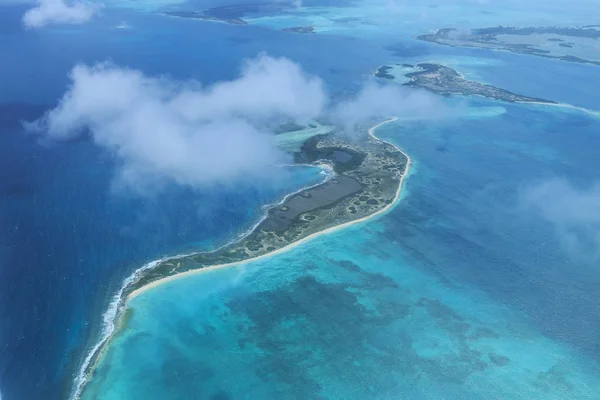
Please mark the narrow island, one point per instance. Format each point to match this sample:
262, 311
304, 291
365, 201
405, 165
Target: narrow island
367, 174
231, 14
206, 16
581, 45
366, 180
300, 29
445, 81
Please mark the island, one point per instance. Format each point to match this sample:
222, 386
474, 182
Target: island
365, 178
568, 44
300, 29
446, 81
232, 14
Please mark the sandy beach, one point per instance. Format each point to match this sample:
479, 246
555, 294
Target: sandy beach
294, 244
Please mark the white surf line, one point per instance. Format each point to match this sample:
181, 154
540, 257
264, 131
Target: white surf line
112, 314
119, 306
565, 105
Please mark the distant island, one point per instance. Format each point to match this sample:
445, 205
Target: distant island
206, 17
581, 45
366, 179
446, 81
300, 29
232, 14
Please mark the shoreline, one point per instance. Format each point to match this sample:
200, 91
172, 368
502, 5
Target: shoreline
292, 245
442, 79
569, 106
118, 304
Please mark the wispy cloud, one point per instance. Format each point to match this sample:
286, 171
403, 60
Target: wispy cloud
573, 211
48, 12
167, 131
383, 100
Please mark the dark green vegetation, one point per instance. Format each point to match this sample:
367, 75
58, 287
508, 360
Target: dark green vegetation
487, 38
446, 81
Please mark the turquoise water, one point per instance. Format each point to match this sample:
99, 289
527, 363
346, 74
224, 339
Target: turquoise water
461, 283
457, 293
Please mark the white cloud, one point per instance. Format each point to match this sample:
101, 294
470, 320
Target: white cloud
162, 130
379, 100
48, 12
574, 213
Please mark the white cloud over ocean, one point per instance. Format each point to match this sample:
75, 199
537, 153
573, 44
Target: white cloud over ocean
381, 100
162, 130
47, 12
574, 213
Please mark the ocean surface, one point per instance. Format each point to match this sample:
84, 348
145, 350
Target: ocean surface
462, 291
422, 303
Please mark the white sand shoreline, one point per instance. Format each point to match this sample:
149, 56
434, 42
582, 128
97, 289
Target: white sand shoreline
118, 307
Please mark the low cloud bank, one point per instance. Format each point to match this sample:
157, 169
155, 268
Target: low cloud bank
48, 12
575, 214
164, 131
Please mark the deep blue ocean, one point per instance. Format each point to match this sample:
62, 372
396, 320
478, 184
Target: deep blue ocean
67, 240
